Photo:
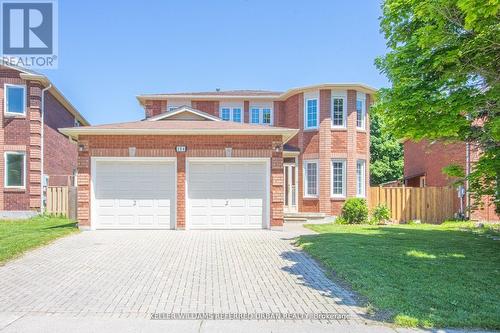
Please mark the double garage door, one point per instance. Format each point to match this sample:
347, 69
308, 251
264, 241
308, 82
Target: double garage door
141, 194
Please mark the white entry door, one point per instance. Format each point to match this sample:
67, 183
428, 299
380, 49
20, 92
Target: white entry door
227, 194
134, 194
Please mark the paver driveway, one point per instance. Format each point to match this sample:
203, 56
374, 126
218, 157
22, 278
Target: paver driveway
135, 273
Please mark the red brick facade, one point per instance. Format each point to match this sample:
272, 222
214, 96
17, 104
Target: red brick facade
424, 163
322, 144
164, 146
23, 133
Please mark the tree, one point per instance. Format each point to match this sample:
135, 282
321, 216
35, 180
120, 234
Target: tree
443, 63
386, 161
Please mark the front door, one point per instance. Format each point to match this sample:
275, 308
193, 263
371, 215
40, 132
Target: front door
290, 176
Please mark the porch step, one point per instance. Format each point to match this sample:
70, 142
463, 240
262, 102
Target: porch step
303, 217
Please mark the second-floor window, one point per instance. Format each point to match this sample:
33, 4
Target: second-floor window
231, 114
15, 100
261, 116
311, 113
338, 111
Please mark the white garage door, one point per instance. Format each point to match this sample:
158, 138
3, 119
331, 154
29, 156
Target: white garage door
227, 195
134, 194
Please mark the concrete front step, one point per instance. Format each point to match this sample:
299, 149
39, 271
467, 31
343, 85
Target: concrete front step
303, 217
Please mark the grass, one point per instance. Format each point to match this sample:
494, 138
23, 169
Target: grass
17, 237
416, 275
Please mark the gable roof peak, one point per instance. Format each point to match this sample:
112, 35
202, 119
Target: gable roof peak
183, 109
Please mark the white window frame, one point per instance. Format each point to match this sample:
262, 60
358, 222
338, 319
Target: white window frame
261, 115
6, 102
343, 97
361, 183
7, 173
344, 178
305, 181
306, 114
231, 113
360, 97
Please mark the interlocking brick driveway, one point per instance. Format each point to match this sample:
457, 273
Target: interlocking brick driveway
135, 273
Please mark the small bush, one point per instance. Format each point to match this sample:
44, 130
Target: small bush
340, 220
380, 214
355, 211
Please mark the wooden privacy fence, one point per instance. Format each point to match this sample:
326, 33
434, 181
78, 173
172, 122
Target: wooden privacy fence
61, 200
428, 204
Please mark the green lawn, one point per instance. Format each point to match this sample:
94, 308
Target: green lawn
19, 236
416, 275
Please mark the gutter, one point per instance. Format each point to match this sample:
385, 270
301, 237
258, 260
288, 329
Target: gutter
42, 134
73, 132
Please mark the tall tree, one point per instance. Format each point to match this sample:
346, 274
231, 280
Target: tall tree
443, 63
386, 161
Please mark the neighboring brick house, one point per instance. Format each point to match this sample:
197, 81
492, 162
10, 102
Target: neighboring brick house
309, 145
423, 166
21, 139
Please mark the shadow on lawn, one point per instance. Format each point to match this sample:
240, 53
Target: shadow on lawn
425, 277
63, 226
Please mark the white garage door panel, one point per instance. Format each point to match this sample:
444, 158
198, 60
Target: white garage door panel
227, 195
134, 194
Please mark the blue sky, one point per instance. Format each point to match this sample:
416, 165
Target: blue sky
111, 51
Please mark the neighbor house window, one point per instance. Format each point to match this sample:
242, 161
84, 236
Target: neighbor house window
360, 178
15, 100
338, 112
338, 178
231, 114
15, 169
255, 116
310, 178
261, 116
311, 113
360, 111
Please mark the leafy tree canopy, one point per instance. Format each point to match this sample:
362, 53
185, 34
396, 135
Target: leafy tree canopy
443, 63
386, 154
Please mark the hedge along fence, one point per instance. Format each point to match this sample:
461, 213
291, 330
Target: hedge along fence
428, 204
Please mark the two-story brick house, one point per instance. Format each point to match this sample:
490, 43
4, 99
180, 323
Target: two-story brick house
30, 144
226, 159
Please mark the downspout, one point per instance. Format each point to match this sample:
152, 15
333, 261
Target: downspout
42, 134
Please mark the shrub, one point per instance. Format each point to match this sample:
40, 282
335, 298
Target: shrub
340, 220
381, 213
355, 211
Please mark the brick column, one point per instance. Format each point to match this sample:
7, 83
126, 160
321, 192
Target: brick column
325, 150
277, 113
246, 112
277, 188
83, 182
34, 152
181, 191
351, 143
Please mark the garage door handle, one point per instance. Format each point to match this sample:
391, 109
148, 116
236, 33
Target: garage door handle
227, 202
135, 203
